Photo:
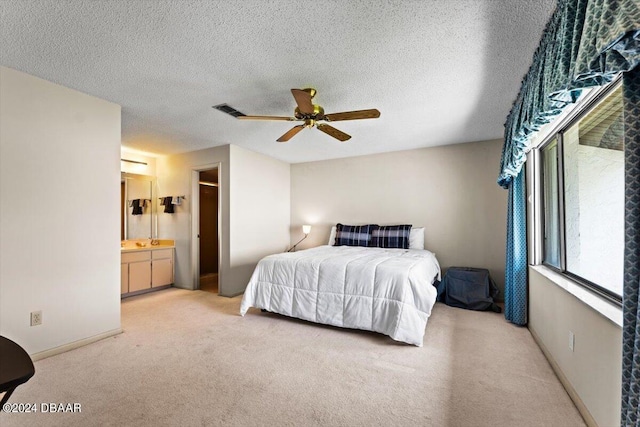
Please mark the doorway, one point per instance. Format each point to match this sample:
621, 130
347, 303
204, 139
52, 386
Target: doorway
208, 241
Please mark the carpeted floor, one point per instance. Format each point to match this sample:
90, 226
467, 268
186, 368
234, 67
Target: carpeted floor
187, 358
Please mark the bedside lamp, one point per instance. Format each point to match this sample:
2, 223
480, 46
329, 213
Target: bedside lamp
306, 229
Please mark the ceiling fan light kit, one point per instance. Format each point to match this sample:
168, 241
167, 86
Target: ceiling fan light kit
310, 113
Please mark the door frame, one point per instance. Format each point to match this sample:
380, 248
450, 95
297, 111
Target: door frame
195, 223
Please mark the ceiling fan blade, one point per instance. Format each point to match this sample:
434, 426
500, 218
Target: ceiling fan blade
353, 115
290, 133
303, 99
279, 118
331, 131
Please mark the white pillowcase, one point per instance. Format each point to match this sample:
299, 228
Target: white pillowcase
416, 237
332, 236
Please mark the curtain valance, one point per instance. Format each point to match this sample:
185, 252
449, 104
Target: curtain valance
586, 43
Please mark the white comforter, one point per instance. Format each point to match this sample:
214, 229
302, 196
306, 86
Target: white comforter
384, 290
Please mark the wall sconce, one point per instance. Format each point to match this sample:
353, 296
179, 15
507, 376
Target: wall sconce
306, 229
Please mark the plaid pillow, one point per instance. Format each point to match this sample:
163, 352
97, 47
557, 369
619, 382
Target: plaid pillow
353, 235
391, 236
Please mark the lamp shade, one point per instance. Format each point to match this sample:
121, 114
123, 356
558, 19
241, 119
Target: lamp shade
306, 229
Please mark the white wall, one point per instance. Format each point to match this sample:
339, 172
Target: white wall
254, 191
449, 190
59, 213
259, 212
593, 368
174, 175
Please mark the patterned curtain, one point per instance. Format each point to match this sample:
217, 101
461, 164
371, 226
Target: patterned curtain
515, 288
630, 415
586, 43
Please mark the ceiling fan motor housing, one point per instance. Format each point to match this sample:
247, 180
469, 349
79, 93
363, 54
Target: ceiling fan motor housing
318, 113
311, 91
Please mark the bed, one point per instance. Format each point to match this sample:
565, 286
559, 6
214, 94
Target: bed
384, 290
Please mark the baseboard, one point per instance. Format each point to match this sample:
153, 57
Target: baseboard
73, 345
232, 295
573, 394
144, 291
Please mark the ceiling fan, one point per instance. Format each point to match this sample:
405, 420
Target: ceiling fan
311, 114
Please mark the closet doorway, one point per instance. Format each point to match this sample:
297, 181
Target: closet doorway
208, 232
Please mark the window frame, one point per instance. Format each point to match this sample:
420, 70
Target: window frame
557, 134
555, 138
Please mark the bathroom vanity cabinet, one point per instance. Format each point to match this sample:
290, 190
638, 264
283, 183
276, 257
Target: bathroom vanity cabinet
146, 269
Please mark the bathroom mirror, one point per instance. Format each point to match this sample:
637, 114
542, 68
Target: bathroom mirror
138, 207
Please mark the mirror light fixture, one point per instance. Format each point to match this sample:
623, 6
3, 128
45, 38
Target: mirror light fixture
306, 229
133, 166
133, 161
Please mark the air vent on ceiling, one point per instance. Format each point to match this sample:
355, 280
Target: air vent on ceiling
226, 108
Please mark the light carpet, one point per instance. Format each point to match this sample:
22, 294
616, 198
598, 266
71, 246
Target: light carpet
187, 358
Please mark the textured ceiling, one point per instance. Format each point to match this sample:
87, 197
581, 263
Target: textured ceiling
440, 72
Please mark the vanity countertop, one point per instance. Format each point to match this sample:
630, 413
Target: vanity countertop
131, 246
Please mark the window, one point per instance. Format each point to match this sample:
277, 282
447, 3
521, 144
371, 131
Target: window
551, 236
582, 175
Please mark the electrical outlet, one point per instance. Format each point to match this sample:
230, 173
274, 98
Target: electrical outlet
572, 340
36, 318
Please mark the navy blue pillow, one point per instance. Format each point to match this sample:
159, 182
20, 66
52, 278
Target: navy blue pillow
353, 235
391, 236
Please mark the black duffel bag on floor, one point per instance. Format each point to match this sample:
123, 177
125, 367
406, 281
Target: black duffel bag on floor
471, 288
